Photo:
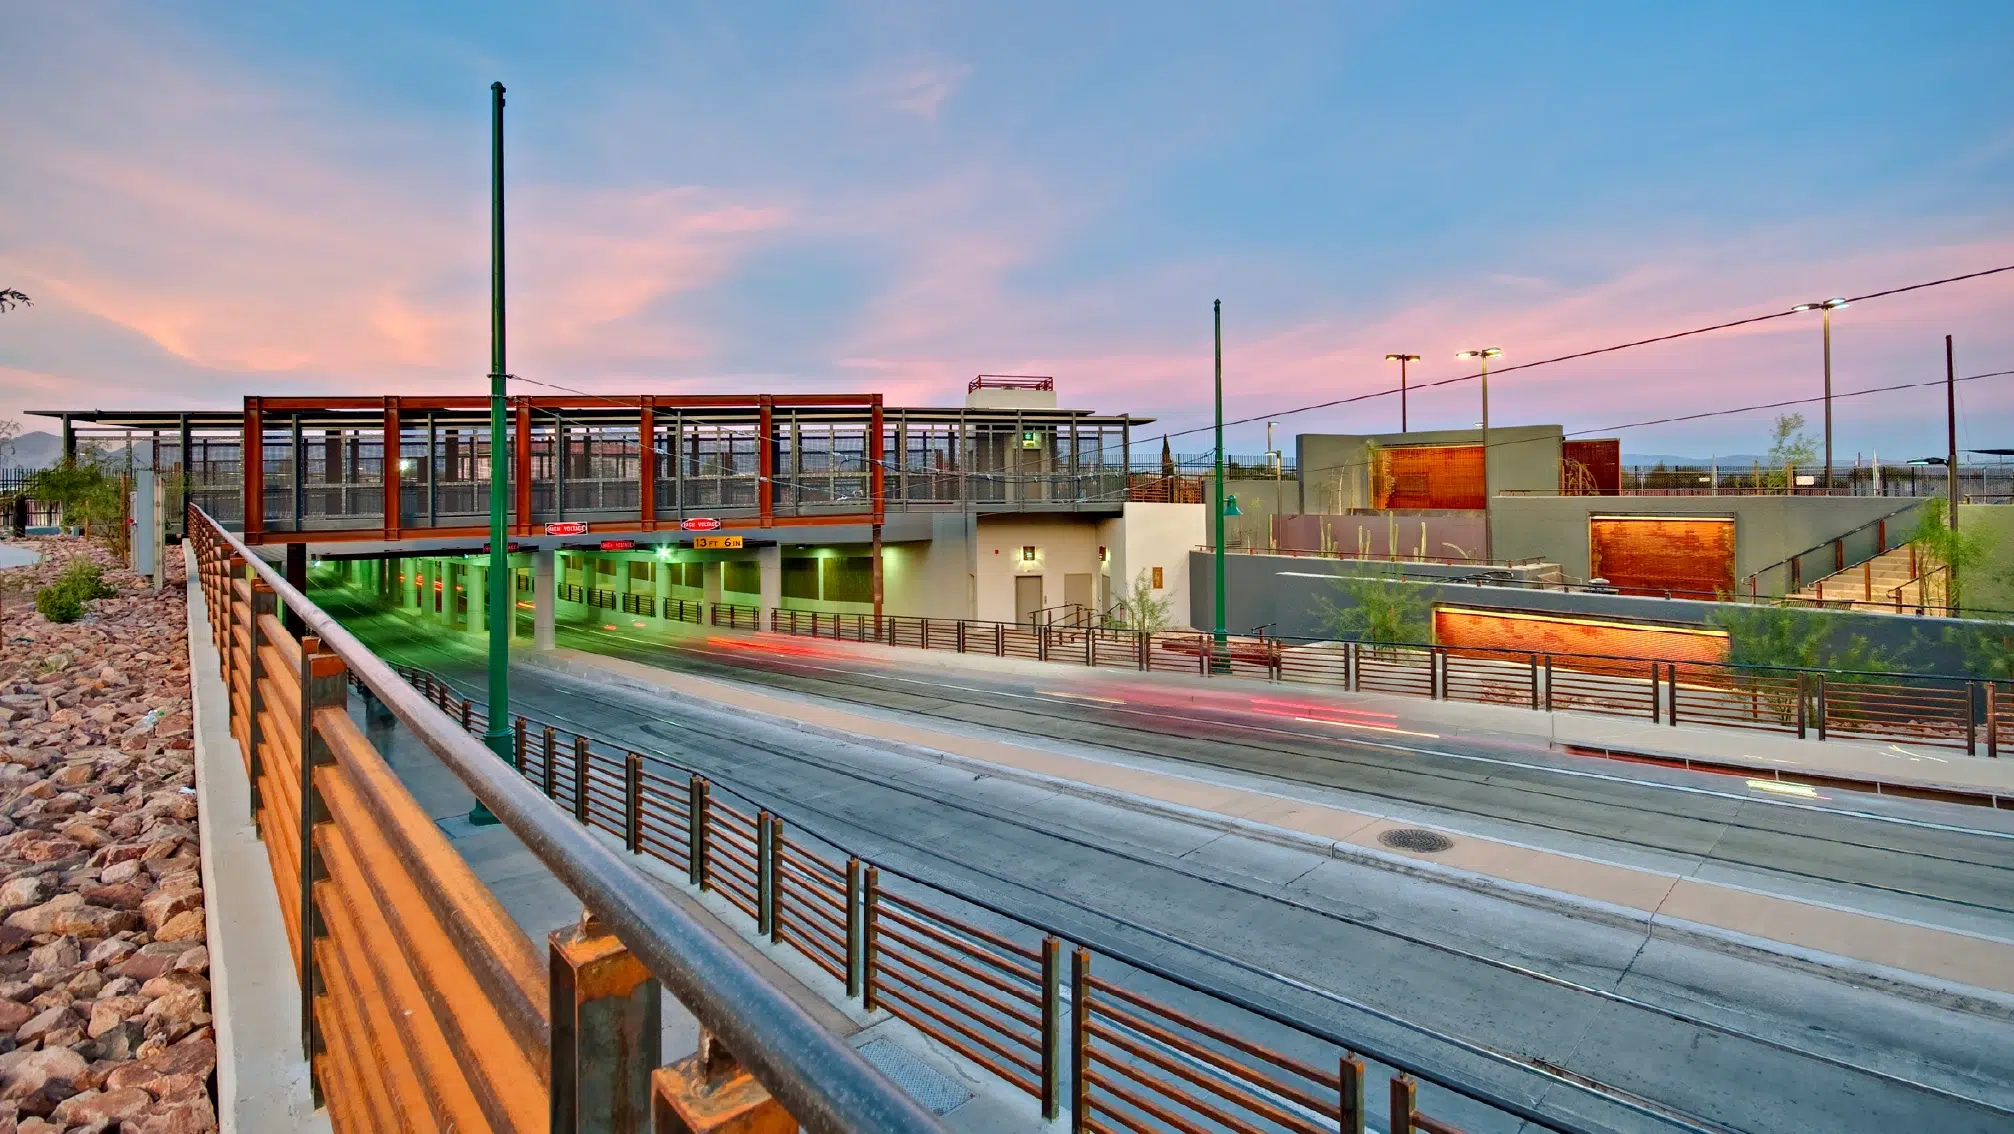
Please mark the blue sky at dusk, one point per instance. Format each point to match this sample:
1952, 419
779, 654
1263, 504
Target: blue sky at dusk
212, 200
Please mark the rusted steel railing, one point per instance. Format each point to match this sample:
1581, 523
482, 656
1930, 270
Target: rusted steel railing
423, 1006
1011, 998
1922, 709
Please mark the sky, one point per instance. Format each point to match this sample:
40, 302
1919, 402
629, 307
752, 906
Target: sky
212, 200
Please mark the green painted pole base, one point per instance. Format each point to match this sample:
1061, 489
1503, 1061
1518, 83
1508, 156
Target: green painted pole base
500, 743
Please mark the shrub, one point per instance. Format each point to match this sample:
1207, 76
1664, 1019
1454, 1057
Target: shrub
86, 580
58, 603
1380, 608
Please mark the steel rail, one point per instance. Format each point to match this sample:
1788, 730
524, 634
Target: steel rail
824, 1084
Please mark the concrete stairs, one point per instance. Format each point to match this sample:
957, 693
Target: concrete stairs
1874, 584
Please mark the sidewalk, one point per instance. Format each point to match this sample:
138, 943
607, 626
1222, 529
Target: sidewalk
1804, 929
1886, 767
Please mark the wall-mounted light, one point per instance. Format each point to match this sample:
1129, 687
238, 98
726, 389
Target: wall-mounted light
1102, 555
1028, 553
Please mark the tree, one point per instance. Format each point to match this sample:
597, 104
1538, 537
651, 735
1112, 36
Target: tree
1380, 608
9, 430
10, 299
1790, 637
88, 494
1788, 445
1944, 546
1140, 609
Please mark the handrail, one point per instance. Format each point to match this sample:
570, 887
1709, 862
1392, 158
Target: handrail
1914, 501
824, 1084
1306, 553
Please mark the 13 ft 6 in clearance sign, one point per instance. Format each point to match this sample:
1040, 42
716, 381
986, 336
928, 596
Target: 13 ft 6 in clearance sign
716, 542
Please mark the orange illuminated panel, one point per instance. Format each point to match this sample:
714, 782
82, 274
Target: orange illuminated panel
1515, 633
1645, 555
1429, 476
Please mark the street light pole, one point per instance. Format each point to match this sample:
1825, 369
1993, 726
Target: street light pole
501, 596
1489, 535
1402, 359
1826, 308
1221, 635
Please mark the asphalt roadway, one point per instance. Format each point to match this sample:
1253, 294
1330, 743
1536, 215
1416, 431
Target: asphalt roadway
1507, 994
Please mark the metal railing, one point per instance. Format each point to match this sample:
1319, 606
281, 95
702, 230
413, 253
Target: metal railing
423, 1005
1793, 571
1124, 1047
1954, 712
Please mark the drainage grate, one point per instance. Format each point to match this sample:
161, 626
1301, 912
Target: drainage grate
1417, 840
924, 1083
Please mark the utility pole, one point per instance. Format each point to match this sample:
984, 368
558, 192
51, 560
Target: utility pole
1483, 356
1223, 638
1951, 431
502, 606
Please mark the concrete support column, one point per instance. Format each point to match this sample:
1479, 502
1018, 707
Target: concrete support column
423, 586
769, 568
542, 637
710, 574
478, 591
660, 577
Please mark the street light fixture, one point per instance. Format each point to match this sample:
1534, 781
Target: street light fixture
1483, 356
1402, 359
1826, 307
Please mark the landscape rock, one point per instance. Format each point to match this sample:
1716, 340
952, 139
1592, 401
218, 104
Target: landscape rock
104, 969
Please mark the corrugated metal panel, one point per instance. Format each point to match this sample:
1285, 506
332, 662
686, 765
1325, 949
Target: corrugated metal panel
1643, 555
1601, 457
1466, 630
1429, 476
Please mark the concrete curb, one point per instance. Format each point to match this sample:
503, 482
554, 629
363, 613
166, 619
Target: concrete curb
1919, 986
262, 1081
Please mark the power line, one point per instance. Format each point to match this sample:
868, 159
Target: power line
1598, 351
1789, 402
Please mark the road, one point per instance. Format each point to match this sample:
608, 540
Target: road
1729, 1038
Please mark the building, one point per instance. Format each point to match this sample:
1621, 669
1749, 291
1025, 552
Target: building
1006, 508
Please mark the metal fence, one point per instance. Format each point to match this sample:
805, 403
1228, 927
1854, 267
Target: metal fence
423, 1006
1117, 1042
1951, 712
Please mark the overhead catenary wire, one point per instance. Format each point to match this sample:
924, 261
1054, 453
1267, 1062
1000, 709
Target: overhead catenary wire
1665, 338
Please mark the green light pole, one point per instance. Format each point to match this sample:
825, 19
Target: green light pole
1223, 638
498, 736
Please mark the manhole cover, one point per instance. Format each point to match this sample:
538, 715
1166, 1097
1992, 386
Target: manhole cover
1417, 840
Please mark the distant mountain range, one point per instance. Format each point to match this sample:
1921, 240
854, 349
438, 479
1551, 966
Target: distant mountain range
35, 450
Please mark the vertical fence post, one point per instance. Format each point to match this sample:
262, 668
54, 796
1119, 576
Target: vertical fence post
1819, 704
1042, 641
777, 877
607, 1028
551, 758
468, 714
696, 810
632, 798
1548, 683
263, 601
1671, 683
517, 745
1143, 645
1090, 648
961, 635
923, 637
853, 926
1080, 1039
1404, 1095
1534, 681
323, 684
582, 772
1802, 693
1972, 716
1351, 676
1436, 679
1350, 1095
870, 937
1655, 694
999, 640
1052, 1027
1993, 719
765, 876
